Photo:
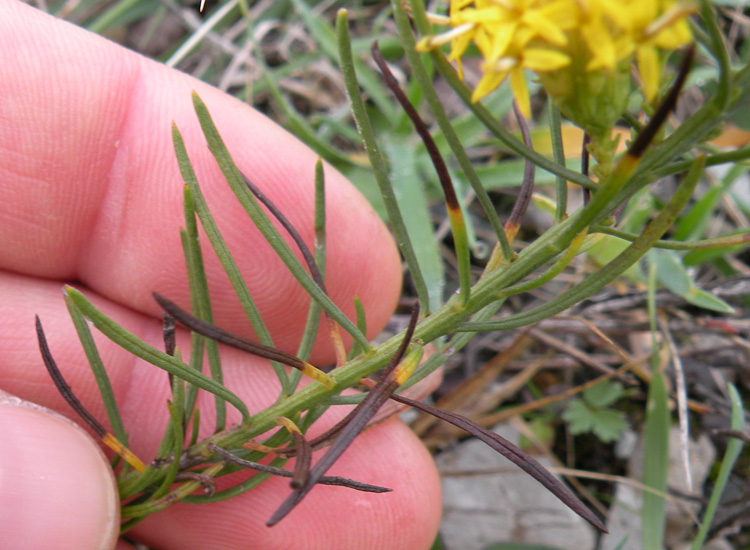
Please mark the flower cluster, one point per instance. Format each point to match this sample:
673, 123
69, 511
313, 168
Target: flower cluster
578, 48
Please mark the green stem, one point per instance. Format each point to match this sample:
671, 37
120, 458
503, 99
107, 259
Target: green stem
616, 267
736, 155
716, 242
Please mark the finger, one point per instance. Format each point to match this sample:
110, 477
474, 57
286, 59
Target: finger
92, 190
58, 490
330, 517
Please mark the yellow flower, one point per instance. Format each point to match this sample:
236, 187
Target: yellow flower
615, 29
573, 36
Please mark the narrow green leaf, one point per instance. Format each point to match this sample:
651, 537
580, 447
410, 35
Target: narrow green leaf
97, 367
156, 357
356, 349
671, 273
561, 184
208, 223
706, 300
199, 285
313, 313
264, 224
197, 341
364, 125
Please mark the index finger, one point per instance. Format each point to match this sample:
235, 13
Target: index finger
92, 191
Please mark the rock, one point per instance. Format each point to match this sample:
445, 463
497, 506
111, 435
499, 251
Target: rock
504, 504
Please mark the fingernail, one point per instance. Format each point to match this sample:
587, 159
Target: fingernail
57, 489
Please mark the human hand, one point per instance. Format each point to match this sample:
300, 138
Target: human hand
92, 194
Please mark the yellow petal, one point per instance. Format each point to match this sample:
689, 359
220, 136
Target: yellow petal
520, 91
648, 68
601, 47
544, 60
545, 28
488, 83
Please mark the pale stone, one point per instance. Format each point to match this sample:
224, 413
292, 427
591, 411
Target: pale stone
503, 505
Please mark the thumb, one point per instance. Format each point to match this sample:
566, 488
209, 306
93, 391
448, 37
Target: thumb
56, 487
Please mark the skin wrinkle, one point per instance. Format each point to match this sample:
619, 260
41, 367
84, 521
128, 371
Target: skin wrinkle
30, 131
98, 221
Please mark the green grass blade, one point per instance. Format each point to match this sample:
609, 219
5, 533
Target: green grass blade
733, 452
411, 198
131, 343
264, 224
376, 158
656, 440
694, 223
122, 13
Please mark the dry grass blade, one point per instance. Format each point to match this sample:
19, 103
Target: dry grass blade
527, 187
357, 421
65, 390
220, 335
324, 480
304, 453
333, 329
670, 102
521, 459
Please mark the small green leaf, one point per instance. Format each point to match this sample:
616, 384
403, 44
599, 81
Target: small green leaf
608, 425
604, 394
671, 273
579, 417
706, 300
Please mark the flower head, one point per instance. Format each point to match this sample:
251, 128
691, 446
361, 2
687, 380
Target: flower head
566, 42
